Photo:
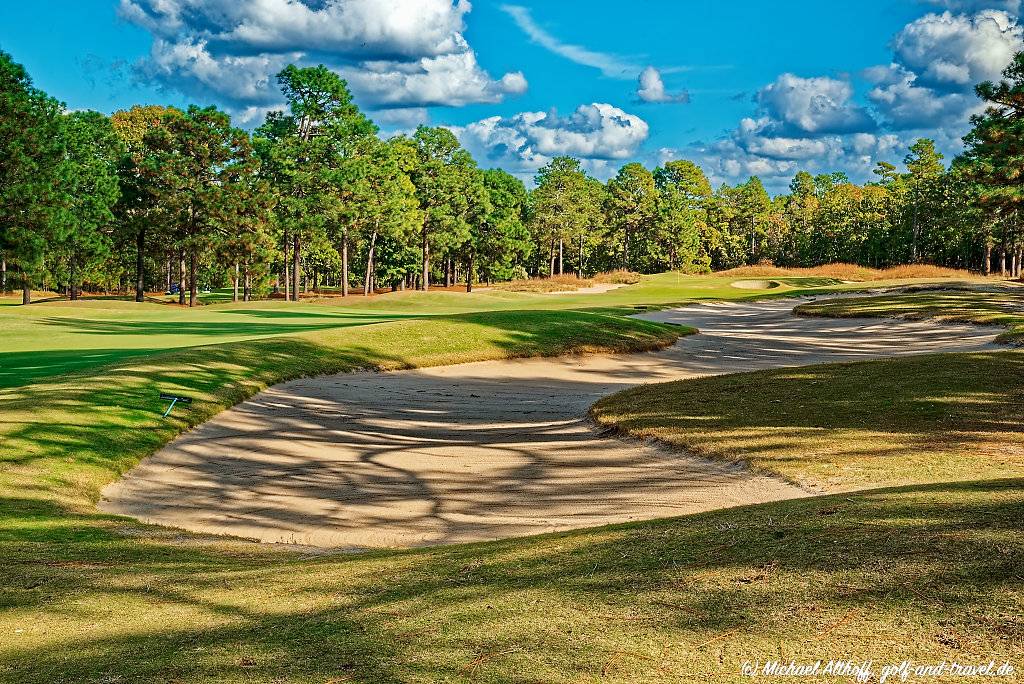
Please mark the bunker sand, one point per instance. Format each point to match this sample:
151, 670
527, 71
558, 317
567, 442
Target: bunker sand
485, 450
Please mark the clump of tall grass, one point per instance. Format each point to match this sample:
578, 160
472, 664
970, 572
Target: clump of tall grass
558, 283
619, 276
851, 272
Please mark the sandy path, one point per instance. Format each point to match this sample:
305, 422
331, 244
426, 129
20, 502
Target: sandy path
483, 450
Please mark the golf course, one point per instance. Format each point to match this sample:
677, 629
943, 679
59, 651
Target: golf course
454, 342
803, 485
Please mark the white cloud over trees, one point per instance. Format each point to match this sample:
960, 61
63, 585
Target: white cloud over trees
395, 53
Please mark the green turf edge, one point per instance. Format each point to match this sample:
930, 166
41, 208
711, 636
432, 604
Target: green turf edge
884, 306
64, 438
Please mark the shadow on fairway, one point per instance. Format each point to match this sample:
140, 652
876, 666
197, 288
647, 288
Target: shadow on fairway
940, 560
207, 329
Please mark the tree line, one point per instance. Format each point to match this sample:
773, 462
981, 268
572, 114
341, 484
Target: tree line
161, 198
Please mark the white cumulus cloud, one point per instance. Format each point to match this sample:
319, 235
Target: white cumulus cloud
595, 132
937, 61
409, 53
652, 88
950, 52
812, 106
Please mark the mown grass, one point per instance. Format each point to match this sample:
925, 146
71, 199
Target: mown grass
65, 437
925, 419
923, 572
51, 338
992, 305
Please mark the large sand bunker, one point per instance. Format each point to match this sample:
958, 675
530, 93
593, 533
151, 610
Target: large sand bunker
484, 450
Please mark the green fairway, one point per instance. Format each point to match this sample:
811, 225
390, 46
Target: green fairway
934, 564
55, 337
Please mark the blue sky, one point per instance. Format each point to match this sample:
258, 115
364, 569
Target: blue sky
741, 87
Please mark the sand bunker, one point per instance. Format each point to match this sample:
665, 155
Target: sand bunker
756, 284
484, 450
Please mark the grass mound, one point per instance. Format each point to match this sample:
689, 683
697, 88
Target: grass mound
990, 305
934, 418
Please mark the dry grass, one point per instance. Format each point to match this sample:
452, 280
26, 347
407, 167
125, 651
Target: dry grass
847, 272
558, 283
618, 277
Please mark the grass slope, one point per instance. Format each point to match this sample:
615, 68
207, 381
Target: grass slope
993, 305
61, 439
52, 338
924, 419
923, 572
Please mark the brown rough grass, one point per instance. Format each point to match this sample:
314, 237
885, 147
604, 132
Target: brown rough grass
618, 277
847, 272
558, 283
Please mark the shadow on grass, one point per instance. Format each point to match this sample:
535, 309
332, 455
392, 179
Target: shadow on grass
112, 419
938, 565
22, 367
938, 416
210, 329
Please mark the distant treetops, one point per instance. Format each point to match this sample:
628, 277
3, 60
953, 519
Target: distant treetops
156, 198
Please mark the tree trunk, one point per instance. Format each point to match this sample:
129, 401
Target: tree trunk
140, 265
181, 278
296, 266
915, 231
247, 288
425, 278
579, 267
287, 270
625, 251
192, 285
26, 287
469, 273
71, 285
551, 258
448, 271
234, 285
344, 265
987, 266
1002, 261
561, 262
367, 286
